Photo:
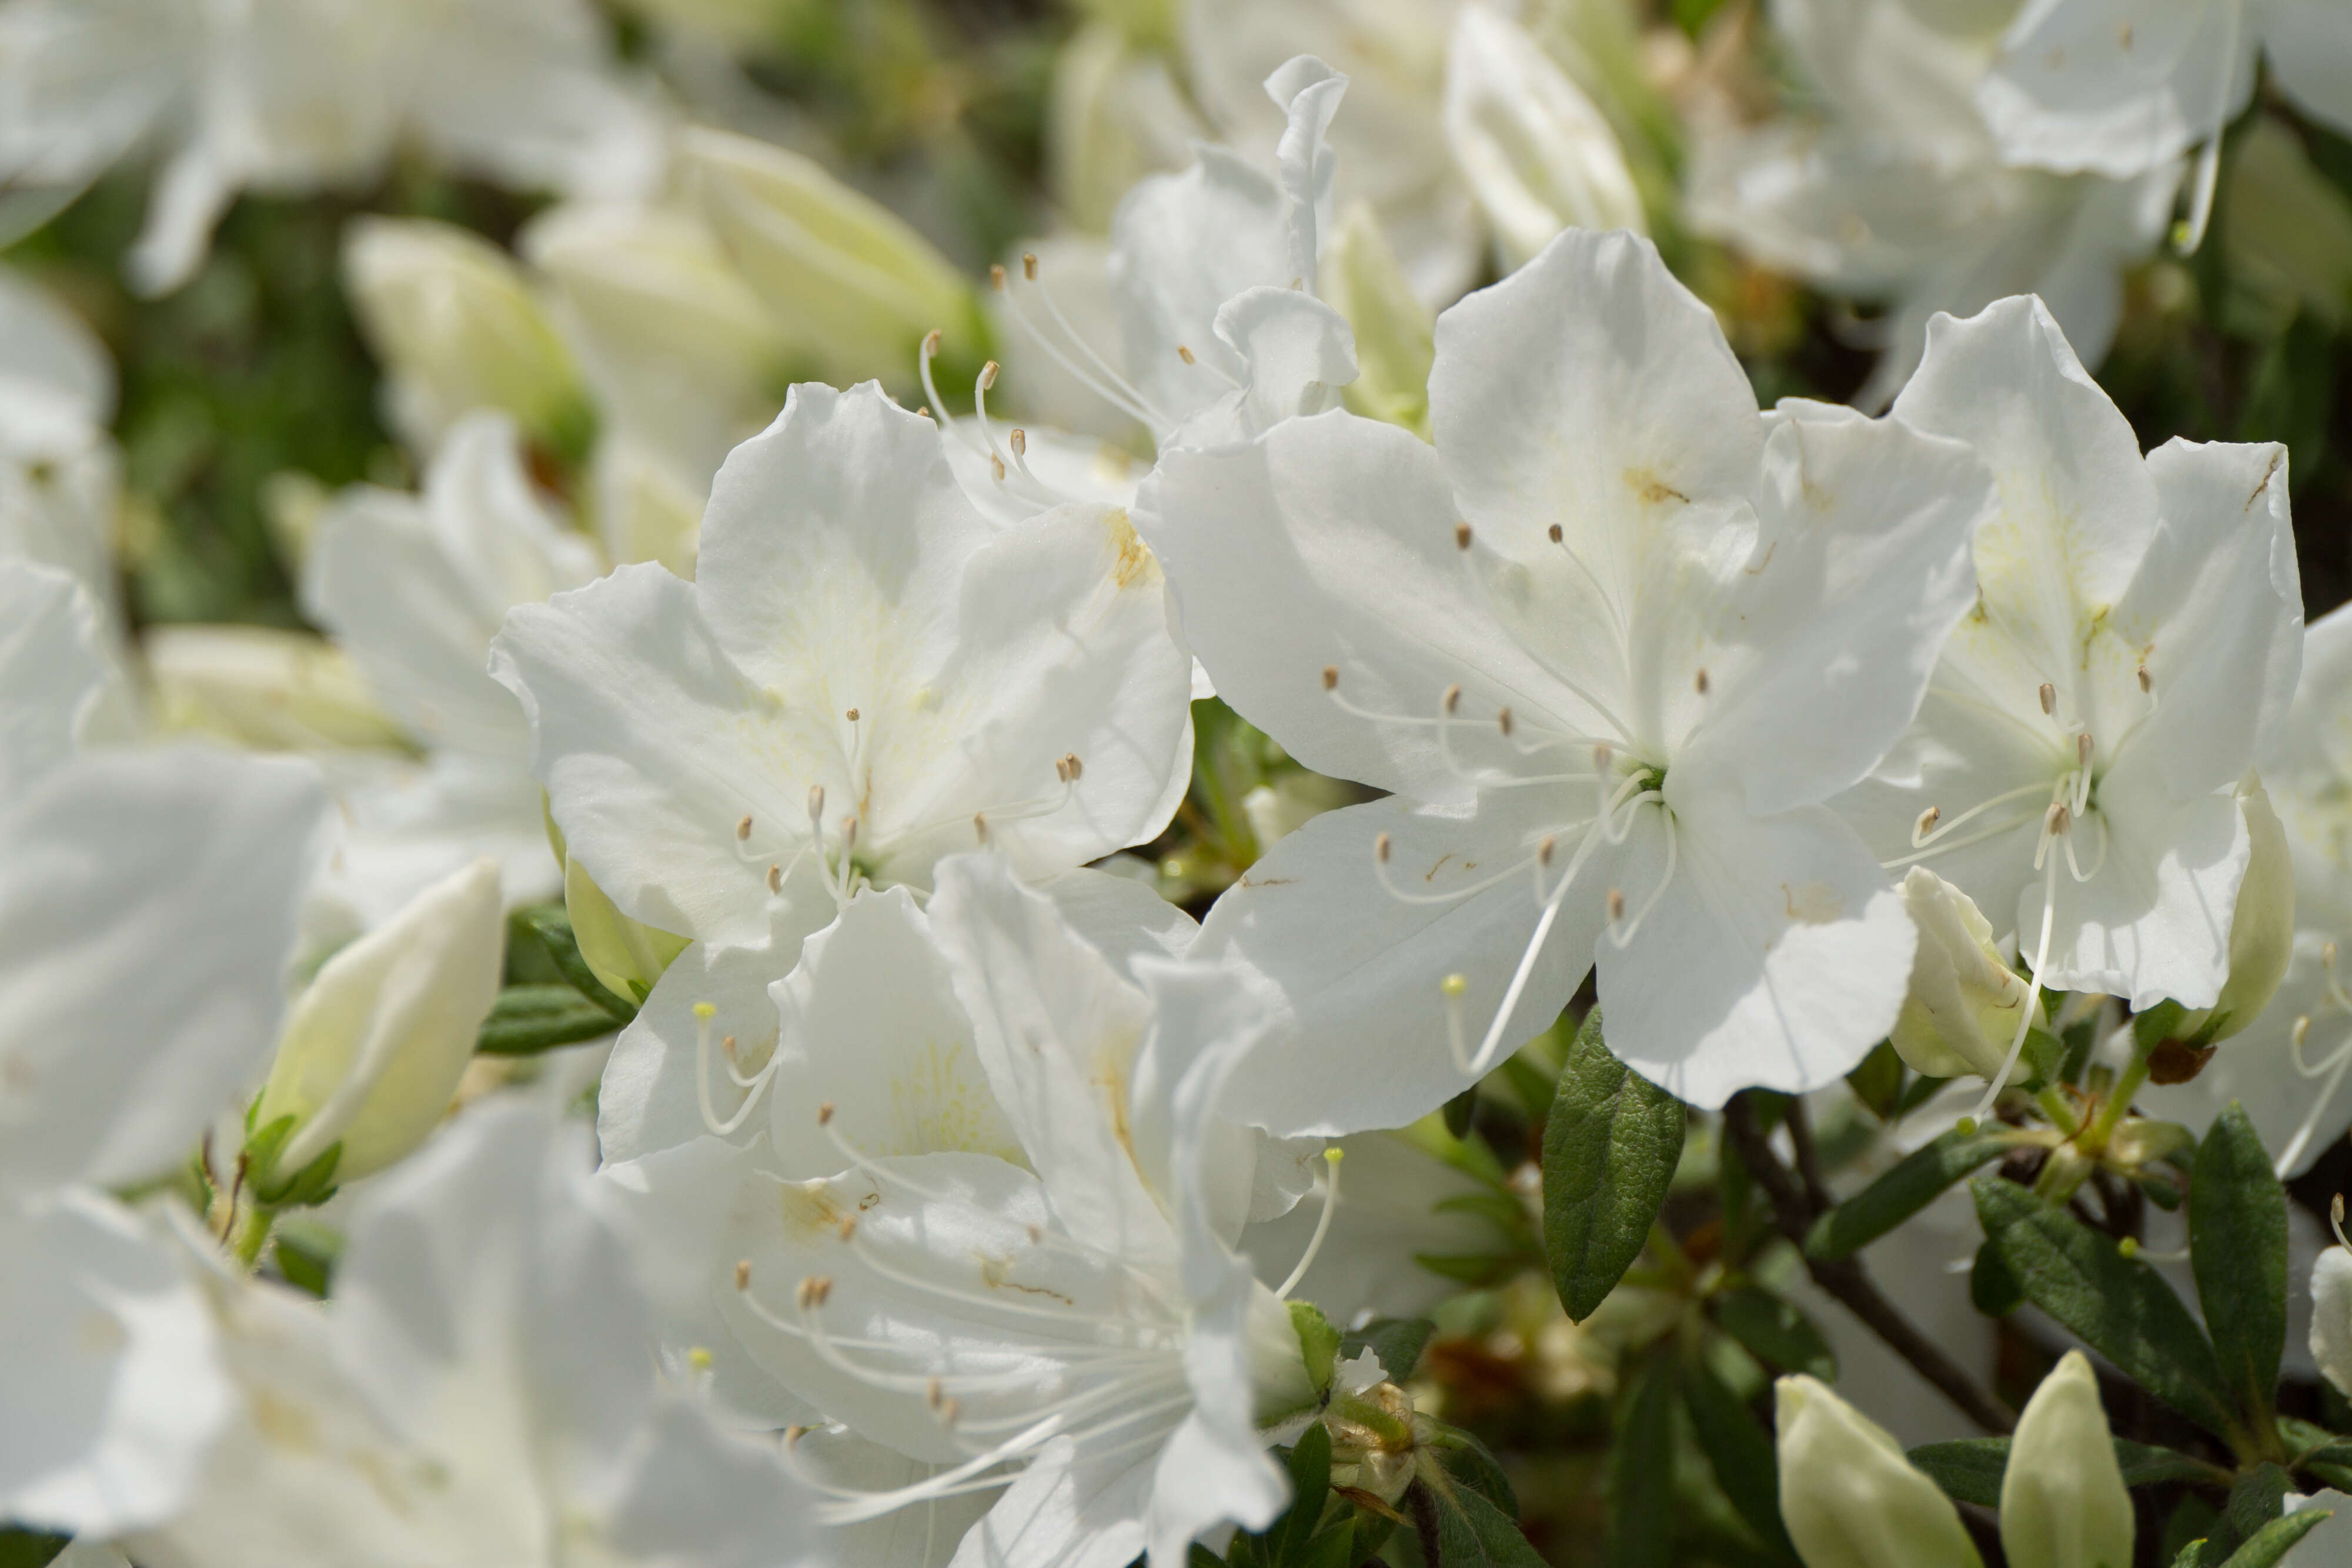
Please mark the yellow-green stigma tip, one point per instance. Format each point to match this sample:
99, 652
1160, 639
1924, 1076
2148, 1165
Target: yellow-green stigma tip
2129, 1247
1335, 1155
1454, 985
705, 1011
699, 1358
1965, 1127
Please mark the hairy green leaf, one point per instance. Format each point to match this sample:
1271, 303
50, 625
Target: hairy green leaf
2118, 1305
2270, 1544
1738, 1449
1970, 1470
528, 1019
1642, 1474
1901, 1192
1775, 1333
1611, 1146
2237, 1241
1398, 1342
1473, 1533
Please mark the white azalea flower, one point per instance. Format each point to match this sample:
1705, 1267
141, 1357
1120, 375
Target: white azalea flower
2117, 88
148, 906
2288, 1067
865, 675
476, 1393
2136, 637
1609, 645
413, 587
1896, 190
60, 475
1025, 1273
294, 96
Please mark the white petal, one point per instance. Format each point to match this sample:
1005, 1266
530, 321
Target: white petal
2256, 1069
1121, 917
1861, 568
2219, 605
148, 905
2309, 44
1182, 245
1775, 957
1362, 972
693, 1493
54, 672
110, 1390
1064, 1512
1307, 92
1329, 543
2331, 1316
646, 1102
2116, 86
1214, 1472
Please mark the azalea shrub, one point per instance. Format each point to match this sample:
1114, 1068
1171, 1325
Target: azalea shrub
1175, 784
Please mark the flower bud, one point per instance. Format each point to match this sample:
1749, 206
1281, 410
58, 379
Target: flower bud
2331, 1317
625, 955
458, 328
371, 1054
1395, 335
1116, 115
263, 688
842, 275
1963, 1009
2062, 1503
1849, 1496
1537, 153
2261, 931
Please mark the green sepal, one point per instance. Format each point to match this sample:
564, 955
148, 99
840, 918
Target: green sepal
551, 924
528, 1019
1318, 1344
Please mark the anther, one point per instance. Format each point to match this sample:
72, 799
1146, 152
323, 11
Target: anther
932, 342
2058, 821
2336, 1221
727, 1045
1029, 264
979, 825
848, 1229
1928, 819
924, 411
2048, 698
1453, 699
814, 1291
996, 466
793, 1434
1616, 904
949, 1410
2147, 682
1185, 355
1545, 850
1077, 768
824, 1115
816, 801
1554, 532
851, 715
2327, 955
934, 1393
1503, 721
1019, 442
1330, 677
743, 1273
775, 877
1700, 683
1601, 756
2299, 1031
2082, 749
996, 277
1062, 769
743, 828
848, 833
699, 1357
1461, 535
988, 371
1380, 847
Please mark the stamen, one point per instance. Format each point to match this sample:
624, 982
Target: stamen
1616, 904
2041, 964
1503, 722
719, 1126
923, 359
743, 828
1029, 264
1185, 355
1926, 820
2336, 1220
2147, 682
2049, 694
1103, 380
776, 878
2082, 749
2333, 1069
1461, 535
1330, 677
1700, 683
1553, 533
1332, 1157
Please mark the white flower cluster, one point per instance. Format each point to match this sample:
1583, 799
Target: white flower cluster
956, 1199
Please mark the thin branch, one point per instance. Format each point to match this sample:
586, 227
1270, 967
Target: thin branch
1808, 1159
1794, 1211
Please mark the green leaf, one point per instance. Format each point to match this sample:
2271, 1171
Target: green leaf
1319, 1342
1738, 1449
1472, 1463
528, 1019
2257, 1500
1398, 1342
1642, 1474
29, 1548
1611, 1146
2270, 1544
1311, 1483
1460, 1111
1914, 1184
1993, 1290
1775, 1333
1473, 1533
2118, 1305
1877, 1082
1970, 1470
2237, 1243
551, 924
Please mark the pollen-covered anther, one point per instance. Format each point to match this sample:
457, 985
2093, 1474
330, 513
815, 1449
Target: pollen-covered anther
816, 801
2147, 681
1545, 850
847, 1228
775, 877
824, 1115
1019, 442
1330, 677
1029, 264
996, 466
1461, 535
1616, 904
2082, 749
1185, 355
935, 1394
851, 715
814, 1291
1380, 848
848, 833
1700, 684
988, 376
1554, 534
1076, 769
1601, 757
1503, 720
743, 1273
1453, 700
2049, 696
2058, 821
1454, 987
996, 277
743, 828
979, 825
932, 342
2299, 1031
726, 1046
1927, 822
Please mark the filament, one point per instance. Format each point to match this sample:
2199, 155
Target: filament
1332, 1157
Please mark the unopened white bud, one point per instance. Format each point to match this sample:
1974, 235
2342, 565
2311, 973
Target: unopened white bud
1963, 1009
371, 1054
1849, 1496
2062, 1503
